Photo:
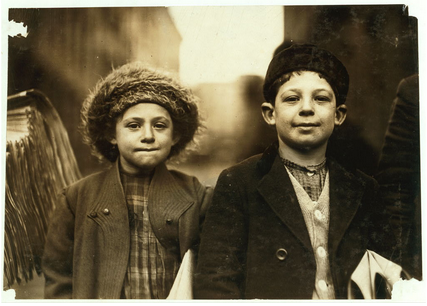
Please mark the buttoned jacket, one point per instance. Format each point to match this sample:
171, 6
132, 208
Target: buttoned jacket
87, 250
255, 243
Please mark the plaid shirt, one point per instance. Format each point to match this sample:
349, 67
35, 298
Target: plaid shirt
150, 272
311, 178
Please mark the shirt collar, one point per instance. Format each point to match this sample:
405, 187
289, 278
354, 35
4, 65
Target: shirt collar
310, 168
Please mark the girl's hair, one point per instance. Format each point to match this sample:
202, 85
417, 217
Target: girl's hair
126, 86
274, 89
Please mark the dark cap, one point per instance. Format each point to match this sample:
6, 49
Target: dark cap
307, 57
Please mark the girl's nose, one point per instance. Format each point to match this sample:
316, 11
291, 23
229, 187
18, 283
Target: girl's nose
307, 108
147, 134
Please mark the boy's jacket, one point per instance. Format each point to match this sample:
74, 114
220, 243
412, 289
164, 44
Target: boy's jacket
255, 244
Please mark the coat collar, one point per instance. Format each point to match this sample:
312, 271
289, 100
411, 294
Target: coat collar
277, 190
111, 194
168, 201
346, 193
170, 198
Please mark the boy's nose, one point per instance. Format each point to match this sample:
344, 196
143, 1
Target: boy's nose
306, 107
147, 134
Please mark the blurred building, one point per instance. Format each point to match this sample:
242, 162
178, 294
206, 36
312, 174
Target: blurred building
65, 53
378, 44
68, 49
235, 129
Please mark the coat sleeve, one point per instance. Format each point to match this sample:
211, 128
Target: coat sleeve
220, 268
57, 261
399, 174
381, 238
205, 204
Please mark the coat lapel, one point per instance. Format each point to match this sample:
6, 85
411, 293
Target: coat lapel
111, 201
111, 214
346, 193
167, 201
278, 192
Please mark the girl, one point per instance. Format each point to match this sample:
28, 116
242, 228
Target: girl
122, 233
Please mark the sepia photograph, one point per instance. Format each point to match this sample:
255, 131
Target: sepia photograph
212, 151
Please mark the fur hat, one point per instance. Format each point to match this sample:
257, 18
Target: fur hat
311, 58
126, 86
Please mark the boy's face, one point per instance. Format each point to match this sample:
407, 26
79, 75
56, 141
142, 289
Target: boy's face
144, 137
305, 112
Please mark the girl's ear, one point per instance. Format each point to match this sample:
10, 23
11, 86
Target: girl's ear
111, 138
176, 138
268, 113
340, 114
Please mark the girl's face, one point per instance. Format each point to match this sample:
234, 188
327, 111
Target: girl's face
144, 137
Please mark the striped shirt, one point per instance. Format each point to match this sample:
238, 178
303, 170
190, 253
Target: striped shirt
151, 271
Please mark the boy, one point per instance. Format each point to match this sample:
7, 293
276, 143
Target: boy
291, 223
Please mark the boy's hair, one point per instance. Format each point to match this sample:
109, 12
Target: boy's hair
306, 57
129, 85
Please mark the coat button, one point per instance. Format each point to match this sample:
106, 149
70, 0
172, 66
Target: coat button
168, 221
93, 214
281, 254
106, 211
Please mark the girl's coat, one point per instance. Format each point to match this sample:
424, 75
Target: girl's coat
87, 249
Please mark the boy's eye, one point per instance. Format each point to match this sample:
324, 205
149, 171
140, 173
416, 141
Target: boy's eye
291, 99
323, 99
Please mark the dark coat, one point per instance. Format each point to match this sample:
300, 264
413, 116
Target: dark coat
399, 174
255, 243
87, 249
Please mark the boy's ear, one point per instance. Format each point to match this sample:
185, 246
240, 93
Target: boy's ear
268, 113
340, 114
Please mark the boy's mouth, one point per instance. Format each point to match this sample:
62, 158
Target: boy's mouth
146, 149
306, 125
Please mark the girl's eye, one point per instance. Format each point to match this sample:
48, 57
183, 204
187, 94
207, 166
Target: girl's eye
160, 125
133, 126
